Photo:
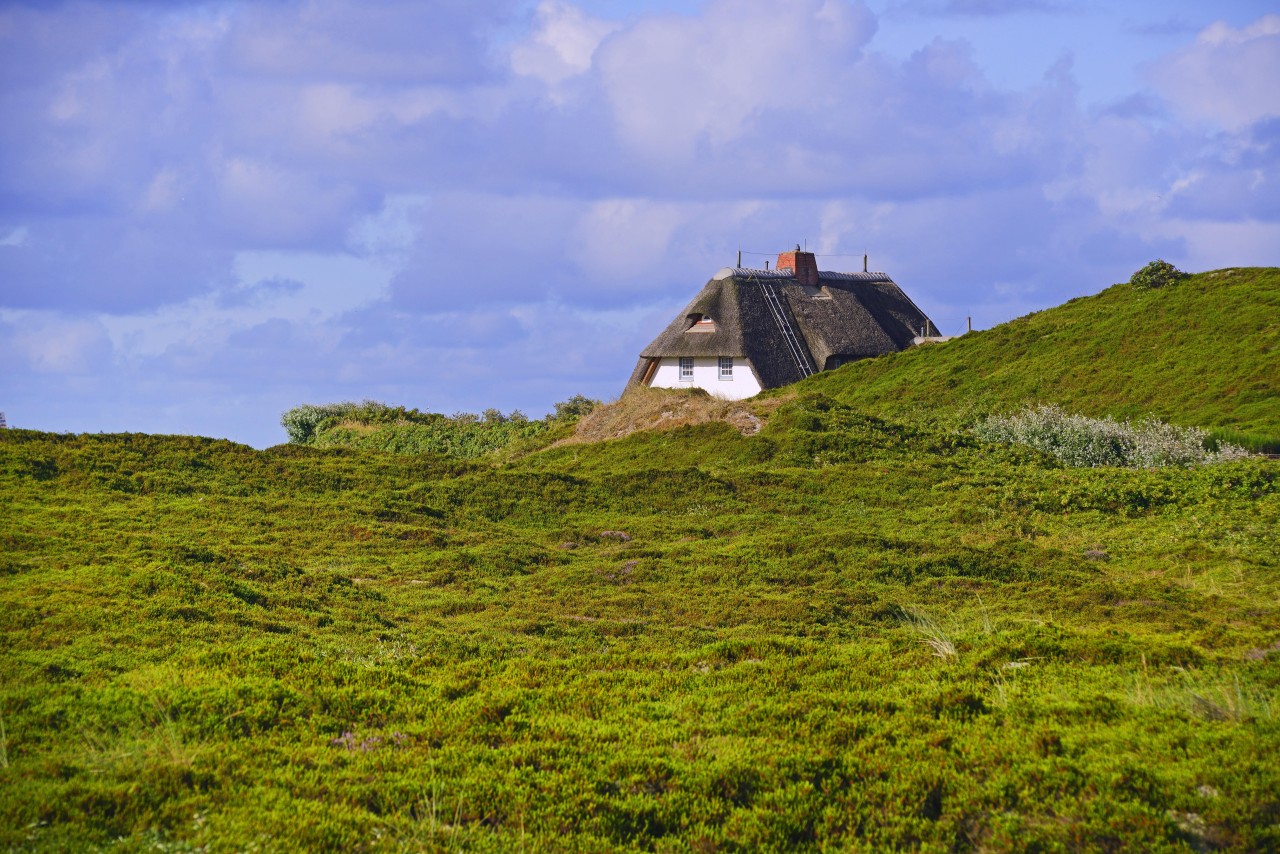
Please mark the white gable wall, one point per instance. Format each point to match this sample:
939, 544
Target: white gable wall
706, 374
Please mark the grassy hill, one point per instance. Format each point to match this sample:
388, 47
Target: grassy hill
856, 628
1204, 352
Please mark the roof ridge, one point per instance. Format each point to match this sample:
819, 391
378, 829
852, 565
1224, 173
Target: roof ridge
854, 277
787, 273
750, 273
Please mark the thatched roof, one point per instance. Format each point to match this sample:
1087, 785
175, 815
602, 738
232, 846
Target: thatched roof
846, 316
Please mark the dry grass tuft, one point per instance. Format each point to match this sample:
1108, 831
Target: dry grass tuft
931, 634
667, 409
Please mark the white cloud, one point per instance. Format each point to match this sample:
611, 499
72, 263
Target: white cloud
265, 204
391, 41
1213, 245
562, 45
675, 83
1228, 76
17, 237
163, 192
51, 344
623, 237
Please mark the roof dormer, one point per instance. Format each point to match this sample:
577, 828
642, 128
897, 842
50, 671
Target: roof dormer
701, 323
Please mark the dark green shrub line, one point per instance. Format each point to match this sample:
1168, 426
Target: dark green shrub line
398, 430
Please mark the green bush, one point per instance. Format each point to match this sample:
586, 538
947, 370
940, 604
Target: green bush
300, 423
395, 429
1157, 274
1083, 442
574, 408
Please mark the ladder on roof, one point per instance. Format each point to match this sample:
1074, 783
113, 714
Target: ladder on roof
798, 353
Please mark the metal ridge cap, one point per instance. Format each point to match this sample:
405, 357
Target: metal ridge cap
788, 273
854, 277
751, 273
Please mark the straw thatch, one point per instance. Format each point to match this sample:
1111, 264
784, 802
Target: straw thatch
845, 317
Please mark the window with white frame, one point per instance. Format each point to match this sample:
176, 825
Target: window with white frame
726, 367
686, 369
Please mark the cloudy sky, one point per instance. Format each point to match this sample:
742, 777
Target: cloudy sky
211, 212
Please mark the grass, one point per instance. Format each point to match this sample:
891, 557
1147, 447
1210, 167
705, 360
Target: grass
850, 630
1199, 353
313, 645
931, 635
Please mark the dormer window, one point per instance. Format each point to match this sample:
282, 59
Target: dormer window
701, 323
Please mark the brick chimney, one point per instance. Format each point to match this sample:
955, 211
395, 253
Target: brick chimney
804, 265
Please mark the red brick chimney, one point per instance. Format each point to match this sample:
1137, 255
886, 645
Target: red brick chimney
804, 265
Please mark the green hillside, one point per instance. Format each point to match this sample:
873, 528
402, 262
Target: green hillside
1203, 352
858, 628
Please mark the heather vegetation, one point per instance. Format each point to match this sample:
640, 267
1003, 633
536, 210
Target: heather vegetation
843, 625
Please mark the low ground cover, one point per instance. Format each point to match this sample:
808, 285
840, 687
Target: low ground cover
831, 618
679, 639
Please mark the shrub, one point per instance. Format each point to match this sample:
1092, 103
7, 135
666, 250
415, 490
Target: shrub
1084, 442
301, 422
465, 435
574, 408
1157, 274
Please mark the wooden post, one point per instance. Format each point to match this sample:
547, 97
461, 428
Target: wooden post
649, 372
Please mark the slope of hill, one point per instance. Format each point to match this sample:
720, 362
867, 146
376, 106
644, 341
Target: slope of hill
1204, 352
839, 632
856, 628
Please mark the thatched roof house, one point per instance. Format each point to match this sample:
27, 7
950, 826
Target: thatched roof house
750, 330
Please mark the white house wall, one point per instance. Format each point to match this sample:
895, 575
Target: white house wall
706, 374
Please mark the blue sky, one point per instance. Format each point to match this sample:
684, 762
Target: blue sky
211, 212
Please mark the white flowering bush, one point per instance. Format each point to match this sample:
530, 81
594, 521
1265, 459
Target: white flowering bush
301, 422
1083, 442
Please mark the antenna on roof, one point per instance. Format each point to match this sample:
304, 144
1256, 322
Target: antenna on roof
739, 256
864, 262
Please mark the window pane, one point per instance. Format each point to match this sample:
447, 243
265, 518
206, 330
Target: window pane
686, 367
726, 367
